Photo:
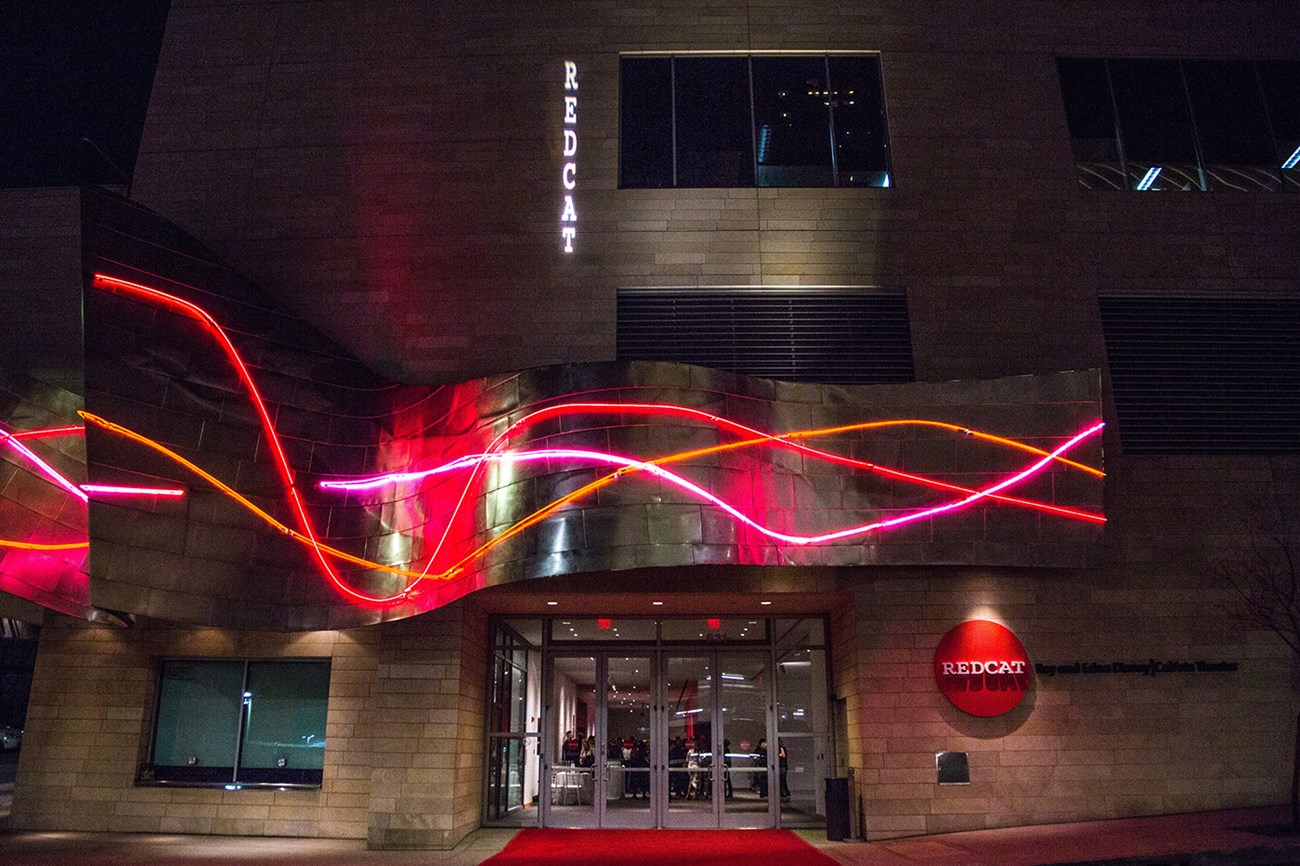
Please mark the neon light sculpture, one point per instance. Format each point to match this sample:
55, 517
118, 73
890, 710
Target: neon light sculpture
465, 471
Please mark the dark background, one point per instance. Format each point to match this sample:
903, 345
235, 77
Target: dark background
74, 88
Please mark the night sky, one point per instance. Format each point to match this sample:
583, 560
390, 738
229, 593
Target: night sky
74, 70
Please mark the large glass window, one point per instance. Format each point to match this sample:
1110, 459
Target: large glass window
784, 121
1280, 82
1183, 125
236, 723
514, 723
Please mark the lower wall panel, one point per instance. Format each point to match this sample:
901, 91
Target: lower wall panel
403, 767
404, 733
1080, 746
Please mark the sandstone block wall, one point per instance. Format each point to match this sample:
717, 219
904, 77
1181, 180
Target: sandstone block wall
404, 733
1079, 747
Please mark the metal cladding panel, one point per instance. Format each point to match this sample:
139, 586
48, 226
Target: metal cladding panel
574, 469
43, 548
317, 495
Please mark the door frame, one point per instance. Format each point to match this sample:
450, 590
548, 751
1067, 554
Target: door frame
718, 734
598, 817
658, 649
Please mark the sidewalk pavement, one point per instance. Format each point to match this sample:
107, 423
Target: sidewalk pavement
1145, 840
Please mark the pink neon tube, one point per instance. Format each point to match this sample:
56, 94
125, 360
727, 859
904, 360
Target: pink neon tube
48, 470
119, 490
683, 483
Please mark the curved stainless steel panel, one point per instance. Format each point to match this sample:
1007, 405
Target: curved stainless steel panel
318, 495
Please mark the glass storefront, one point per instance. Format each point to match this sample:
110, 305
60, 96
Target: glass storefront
667, 722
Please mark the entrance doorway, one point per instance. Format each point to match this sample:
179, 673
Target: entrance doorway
647, 728
672, 739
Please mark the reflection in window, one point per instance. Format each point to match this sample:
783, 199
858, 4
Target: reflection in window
1183, 125
1280, 82
789, 121
237, 723
514, 724
1232, 122
714, 147
858, 109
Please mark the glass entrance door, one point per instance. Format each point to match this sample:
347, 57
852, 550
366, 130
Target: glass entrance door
569, 768
687, 737
648, 727
600, 770
630, 788
716, 732
746, 732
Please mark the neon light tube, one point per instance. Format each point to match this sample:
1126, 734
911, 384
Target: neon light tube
117, 490
379, 481
49, 471
49, 431
1149, 178
690, 486
670, 410
1292, 160
196, 312
34, 545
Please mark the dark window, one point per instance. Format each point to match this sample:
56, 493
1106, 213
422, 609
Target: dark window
833, 335
792, 124
714, 145
697, 121
1156, 124
1280, 82
1236, 145
861, 141
646, 123
1090, 112
1182, 125
236, 723
1204, 375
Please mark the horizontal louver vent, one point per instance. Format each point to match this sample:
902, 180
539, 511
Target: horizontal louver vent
835, 336
1204, 375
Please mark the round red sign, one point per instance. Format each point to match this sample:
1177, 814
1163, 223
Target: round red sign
982, 668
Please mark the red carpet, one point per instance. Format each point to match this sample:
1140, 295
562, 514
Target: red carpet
658, 848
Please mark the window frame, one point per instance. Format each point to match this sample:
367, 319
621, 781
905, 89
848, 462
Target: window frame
1280, 178
837, 173
147, 774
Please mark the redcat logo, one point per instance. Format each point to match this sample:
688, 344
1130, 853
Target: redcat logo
982, 668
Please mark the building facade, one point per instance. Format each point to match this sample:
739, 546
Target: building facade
599, 414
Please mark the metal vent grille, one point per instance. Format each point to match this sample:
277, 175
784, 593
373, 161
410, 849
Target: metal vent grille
830, 335
1204, 375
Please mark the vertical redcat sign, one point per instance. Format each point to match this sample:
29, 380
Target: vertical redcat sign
569, 174
982, 668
